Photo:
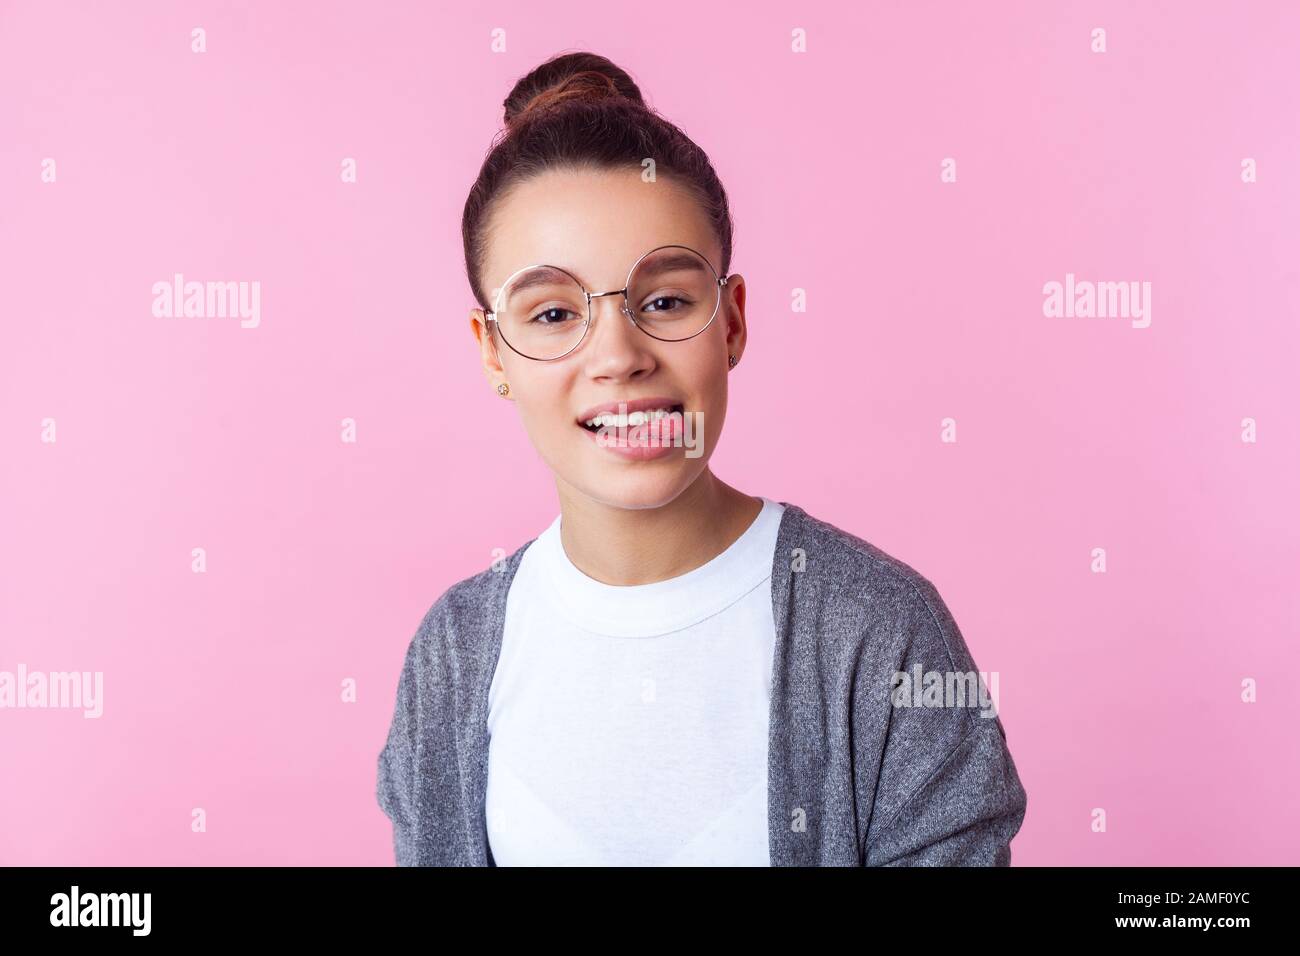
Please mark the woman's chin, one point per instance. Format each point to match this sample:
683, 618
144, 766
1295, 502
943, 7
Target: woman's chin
639, 491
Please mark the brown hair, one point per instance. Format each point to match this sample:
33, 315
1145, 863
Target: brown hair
579, 110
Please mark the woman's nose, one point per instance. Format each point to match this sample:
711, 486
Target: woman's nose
615, 312
617, 337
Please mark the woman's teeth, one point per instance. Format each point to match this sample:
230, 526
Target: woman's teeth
630, 420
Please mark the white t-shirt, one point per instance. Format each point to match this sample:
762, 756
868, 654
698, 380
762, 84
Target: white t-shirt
629, 725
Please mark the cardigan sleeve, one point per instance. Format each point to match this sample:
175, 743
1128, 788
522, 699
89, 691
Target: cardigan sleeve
947, 793
964, 814
417, 761
397, 764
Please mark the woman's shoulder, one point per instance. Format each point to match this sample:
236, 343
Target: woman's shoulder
836, 554
477, 600
857, 583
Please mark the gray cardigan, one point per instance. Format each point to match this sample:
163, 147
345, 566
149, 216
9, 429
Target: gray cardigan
854, 777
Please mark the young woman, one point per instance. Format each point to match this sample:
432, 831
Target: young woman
674, 672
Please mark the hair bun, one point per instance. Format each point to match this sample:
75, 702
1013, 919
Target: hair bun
567, 78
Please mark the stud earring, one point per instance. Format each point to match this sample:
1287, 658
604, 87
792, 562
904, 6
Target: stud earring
731, 361
503, 389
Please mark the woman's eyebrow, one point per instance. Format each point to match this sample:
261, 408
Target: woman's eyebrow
668, 262
539, 275
672, 261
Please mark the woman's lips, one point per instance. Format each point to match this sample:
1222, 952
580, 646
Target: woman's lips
627, 406
649, 440
630, 417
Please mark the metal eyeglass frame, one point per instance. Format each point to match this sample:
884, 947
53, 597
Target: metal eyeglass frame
586, 324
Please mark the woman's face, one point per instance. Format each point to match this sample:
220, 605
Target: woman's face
596, 225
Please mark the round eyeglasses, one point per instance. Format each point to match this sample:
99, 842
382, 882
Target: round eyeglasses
543, 312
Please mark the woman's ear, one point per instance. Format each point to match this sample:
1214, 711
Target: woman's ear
733, 312
492, 369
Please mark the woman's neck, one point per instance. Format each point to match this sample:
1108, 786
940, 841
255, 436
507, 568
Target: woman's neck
629, 546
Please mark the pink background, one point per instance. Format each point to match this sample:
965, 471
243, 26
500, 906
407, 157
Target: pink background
222, 690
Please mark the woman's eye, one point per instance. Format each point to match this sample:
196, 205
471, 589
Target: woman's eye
551, 316
658, 304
